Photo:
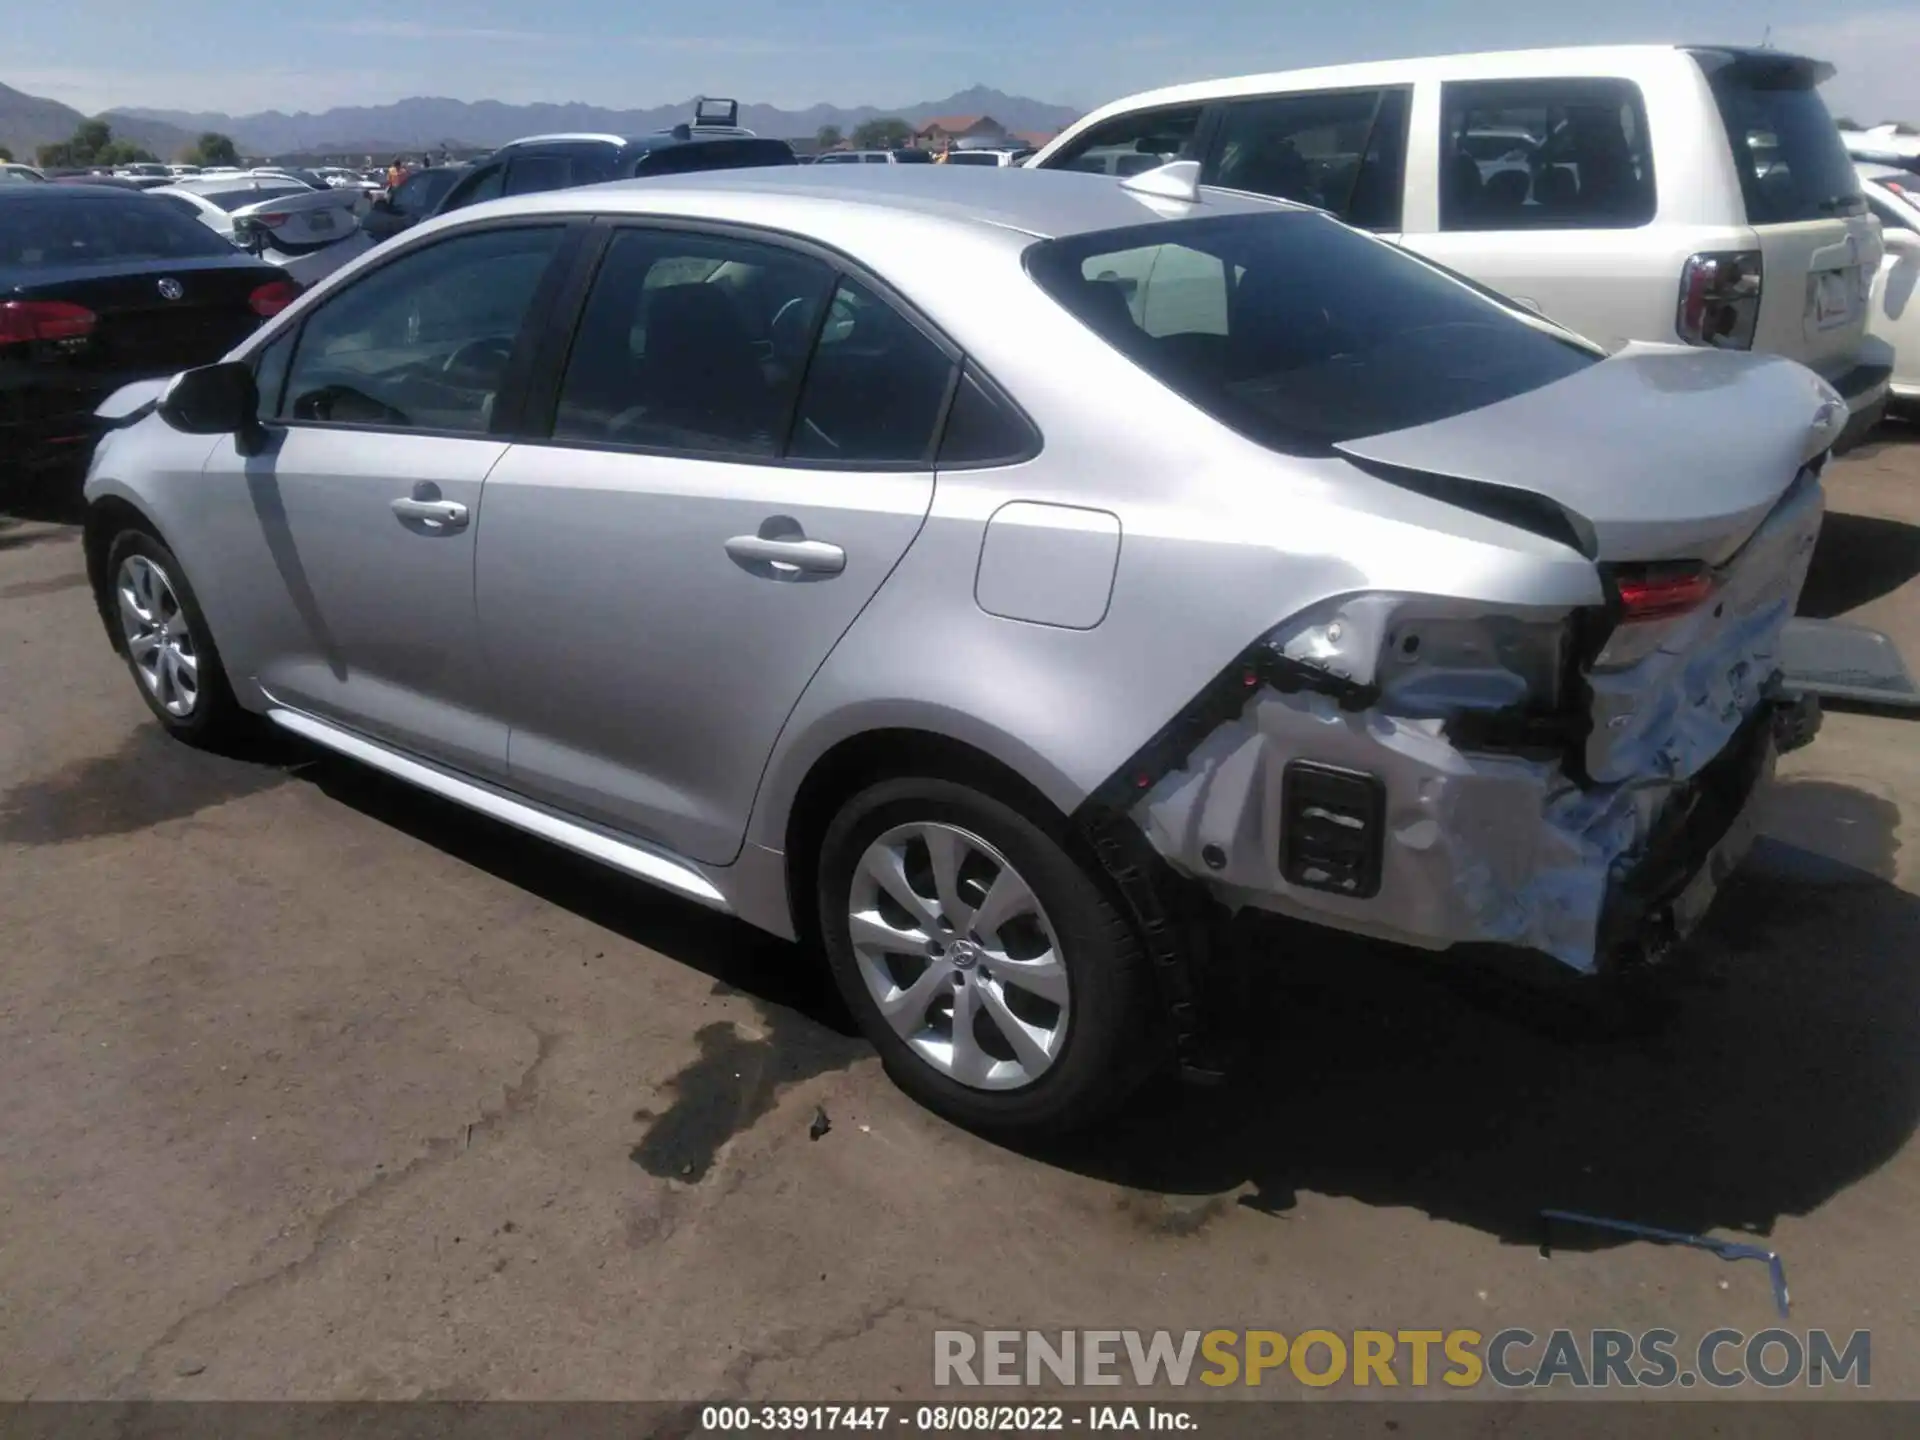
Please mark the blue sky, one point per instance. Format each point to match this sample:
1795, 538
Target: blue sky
244, 55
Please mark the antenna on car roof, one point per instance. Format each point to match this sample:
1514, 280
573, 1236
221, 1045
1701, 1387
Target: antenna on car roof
1176, 180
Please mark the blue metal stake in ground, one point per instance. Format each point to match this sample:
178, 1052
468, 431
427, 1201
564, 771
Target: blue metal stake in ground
1725, 1249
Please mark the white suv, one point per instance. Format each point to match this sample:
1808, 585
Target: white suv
1652, 193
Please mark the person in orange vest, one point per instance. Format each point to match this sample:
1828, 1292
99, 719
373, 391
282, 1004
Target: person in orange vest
396, 172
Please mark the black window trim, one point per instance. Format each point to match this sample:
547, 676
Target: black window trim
1635, 95
1214, 125
509, 403
556, 344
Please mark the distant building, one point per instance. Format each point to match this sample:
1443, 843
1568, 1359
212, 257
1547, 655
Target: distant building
946, 130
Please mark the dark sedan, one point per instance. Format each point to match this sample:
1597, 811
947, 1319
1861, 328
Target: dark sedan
100, 287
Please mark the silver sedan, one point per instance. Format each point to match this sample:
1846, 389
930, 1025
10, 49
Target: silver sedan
994, 578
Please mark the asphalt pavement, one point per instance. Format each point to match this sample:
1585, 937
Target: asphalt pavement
314, 1087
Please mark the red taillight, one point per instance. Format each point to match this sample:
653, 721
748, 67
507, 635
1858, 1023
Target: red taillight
1661, 591
273, 297
272, 222
1720, 299
23, 321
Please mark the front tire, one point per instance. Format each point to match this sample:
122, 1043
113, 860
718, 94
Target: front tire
1001, 985
168, 648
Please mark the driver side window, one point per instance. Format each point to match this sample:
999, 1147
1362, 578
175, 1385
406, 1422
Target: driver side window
422, 343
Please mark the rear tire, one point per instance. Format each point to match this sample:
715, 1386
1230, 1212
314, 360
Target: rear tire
169, 650
939, 903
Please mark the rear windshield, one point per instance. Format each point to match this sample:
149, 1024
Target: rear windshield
1791, 160
1296, 331
248, 195
972, 157
714, 155
93, 230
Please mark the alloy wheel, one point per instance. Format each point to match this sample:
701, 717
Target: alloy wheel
959, 955
158, 638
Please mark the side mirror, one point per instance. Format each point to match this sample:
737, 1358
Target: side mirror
1903, 243
213, 400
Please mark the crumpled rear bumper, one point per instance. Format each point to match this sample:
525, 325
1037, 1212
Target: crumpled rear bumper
1332, 808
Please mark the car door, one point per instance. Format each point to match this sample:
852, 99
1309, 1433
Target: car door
720, 495
382, 411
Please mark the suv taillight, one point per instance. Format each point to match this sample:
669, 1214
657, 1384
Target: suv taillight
24, 321
1658, 592
1720, 299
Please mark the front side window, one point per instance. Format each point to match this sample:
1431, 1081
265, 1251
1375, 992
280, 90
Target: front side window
1342, 151
481, 185
691, 342
1295, 330
1128, 144
1567, 154
875, 386
422, 343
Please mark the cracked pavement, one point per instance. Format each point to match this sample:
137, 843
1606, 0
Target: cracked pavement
313, 1087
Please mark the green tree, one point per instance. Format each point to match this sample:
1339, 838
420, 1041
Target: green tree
888, 133
828, 137
6, 156
214, 149
90, 138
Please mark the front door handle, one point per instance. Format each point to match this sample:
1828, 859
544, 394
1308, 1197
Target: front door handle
812, 557
434, 514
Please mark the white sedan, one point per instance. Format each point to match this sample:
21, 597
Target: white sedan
1894, 196
309, 233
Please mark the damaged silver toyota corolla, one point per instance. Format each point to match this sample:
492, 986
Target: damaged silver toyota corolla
992, 575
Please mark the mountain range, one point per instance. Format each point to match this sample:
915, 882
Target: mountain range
27, 121
421, 123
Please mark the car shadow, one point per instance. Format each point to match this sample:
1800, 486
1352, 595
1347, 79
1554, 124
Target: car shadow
1858, 559
51, 497
1778, 1067
733, 953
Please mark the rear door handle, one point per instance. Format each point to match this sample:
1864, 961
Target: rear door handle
814, 557
436, 514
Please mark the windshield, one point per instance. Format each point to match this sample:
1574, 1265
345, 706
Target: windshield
93, 230
1791, 160
1296, 331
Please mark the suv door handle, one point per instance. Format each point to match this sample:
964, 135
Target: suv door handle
814, 557
435, 514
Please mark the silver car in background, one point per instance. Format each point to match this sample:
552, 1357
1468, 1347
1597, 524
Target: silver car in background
992, 578
308, 232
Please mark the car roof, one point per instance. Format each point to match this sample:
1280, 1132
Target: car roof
1043, 204
1869, 170
1568, 61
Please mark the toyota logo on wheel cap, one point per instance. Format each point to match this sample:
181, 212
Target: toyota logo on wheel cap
170, 289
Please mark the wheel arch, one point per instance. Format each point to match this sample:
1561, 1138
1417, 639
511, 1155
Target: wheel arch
107, 517
884, 752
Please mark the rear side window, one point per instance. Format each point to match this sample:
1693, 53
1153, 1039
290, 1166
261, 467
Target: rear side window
97, 230
714, 155
1567, 154
1128, 144
1787, 152
875, 386
1296, 331
912, 157
531, 174
480, 185
984, 428
1343, 151
691, 343
972, 157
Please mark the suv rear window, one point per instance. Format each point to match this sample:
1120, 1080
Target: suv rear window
1297, 331
1787, 151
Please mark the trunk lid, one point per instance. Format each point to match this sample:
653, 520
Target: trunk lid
1659, 452
143, 326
